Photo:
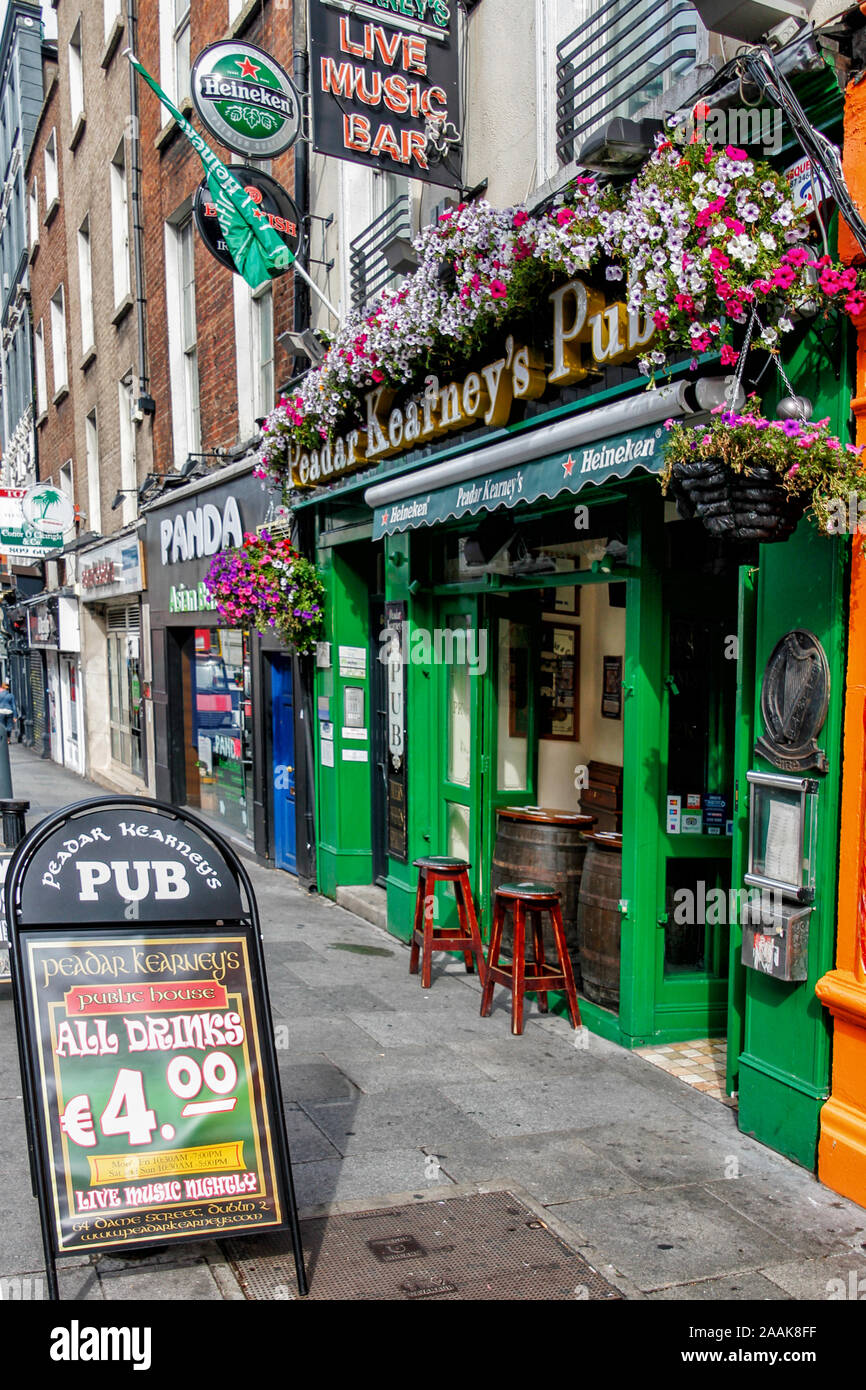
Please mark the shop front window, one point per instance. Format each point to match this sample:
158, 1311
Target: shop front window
222, 725
124, 699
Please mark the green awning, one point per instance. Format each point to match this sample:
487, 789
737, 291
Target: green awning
570, 471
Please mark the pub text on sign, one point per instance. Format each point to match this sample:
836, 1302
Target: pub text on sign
588, 334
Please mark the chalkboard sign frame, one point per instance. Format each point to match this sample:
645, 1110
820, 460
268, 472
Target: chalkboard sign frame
151, 917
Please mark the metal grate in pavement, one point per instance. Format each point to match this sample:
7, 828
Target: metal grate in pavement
485, 1246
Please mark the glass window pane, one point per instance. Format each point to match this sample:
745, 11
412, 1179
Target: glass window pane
459, 716
512, 686
457, 833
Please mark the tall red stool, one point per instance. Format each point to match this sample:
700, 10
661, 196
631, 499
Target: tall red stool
435, 869
536, 975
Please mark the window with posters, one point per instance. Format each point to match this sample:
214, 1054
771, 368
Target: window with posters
222, 726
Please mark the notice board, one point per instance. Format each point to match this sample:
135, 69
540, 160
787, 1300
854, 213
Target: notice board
145, 1033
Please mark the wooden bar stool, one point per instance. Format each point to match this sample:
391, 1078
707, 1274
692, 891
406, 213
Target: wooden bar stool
435, 869
521, 975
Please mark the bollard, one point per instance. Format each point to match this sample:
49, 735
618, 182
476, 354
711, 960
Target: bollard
5, 769
14, 826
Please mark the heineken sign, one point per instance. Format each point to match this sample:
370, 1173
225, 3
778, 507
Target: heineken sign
569, 471
245, 99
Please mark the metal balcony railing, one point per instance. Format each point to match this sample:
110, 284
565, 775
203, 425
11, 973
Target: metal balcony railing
620, 58
369, 270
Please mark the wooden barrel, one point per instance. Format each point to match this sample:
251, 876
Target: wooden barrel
533, 843
599, 919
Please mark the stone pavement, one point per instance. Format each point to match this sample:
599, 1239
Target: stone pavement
389, 1089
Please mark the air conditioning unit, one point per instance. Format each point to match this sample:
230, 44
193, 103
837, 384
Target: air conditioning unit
748, 20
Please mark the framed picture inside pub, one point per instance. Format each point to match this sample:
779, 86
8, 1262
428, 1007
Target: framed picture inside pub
611, 688
559, 689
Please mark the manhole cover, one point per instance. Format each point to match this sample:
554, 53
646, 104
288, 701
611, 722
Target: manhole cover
485, 1246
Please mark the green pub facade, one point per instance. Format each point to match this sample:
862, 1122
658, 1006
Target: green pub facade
517, 618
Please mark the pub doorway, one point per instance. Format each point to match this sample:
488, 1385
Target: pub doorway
594, 673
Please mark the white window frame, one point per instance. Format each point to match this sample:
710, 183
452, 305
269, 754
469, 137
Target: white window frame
262, 304
182, 344
41, 377
91, 450
110, 12
59, 364
33, 206
75, 55
66, 480
119, 224
235, 7
52, 183
174, 43
85, 286
128, 478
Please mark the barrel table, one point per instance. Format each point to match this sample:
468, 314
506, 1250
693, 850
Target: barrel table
599, 920
533, 843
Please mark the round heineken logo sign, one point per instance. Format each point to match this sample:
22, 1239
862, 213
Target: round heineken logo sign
245, 99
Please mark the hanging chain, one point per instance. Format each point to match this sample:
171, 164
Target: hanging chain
731, 395
737, 381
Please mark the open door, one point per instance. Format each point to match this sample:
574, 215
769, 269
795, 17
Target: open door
510, 738
487, 673
697, 761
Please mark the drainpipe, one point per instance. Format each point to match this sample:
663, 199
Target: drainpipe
303, 670
300, 73
137, 229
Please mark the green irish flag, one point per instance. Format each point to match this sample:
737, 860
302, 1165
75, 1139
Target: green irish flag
256, 249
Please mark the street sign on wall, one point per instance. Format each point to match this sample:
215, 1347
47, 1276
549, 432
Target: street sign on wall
272, 201
150, 1077
384, 86
245, 99
20, 538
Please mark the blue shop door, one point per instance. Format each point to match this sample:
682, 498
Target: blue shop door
285, 854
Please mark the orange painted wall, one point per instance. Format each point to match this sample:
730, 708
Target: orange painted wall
842, 1146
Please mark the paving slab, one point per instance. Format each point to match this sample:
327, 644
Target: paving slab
673, 1236
730, 1288
320, 1080
306, 1140
188, 1279
301, 1001
333, 1180
831, 1279
552, 1167
393, 1119
415, 1066
812, 1221
677, 1149
577, 1102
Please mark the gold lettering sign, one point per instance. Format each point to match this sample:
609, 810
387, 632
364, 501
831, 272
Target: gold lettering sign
588, 335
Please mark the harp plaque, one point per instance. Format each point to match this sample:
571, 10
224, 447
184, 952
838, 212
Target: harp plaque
794, 697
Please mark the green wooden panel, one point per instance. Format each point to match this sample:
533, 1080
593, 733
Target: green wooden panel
642, 791
785, 1065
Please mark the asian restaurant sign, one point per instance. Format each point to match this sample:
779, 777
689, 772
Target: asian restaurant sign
565, 472
588, 334
145, 1023
384, 77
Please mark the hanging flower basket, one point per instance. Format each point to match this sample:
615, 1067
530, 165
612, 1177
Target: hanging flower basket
751, 479
739, 507
267, 585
